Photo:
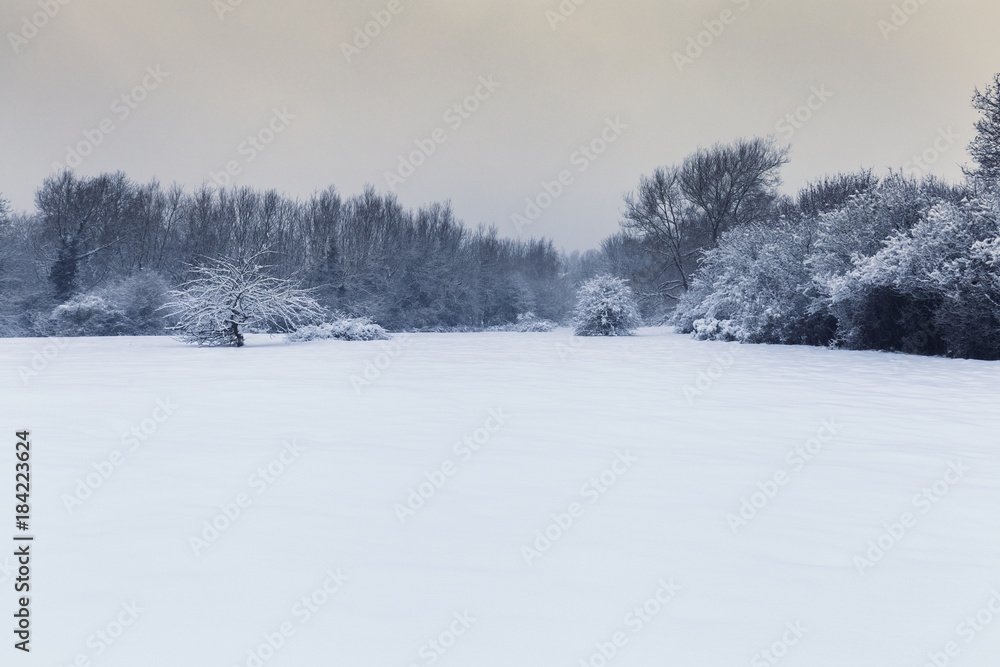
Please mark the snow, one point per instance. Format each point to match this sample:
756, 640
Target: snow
572, 408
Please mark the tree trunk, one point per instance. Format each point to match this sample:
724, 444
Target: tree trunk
237, 335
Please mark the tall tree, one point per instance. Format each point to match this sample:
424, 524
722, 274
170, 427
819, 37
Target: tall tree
732, 184
985, 148
660, 213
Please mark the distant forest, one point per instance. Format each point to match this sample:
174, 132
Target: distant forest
127, 243
900, 262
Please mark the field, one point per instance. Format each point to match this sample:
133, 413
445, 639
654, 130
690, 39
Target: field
488, 500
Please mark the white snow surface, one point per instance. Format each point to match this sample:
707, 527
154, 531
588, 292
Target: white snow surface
570, 406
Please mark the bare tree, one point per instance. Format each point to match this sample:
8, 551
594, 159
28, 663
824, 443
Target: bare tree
228, 295
985, 148
732, 184
659, 212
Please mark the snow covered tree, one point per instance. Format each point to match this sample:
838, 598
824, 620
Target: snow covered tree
932, 289
985, 148
754, 288
606, 307
732, 184
659, 215
230, 297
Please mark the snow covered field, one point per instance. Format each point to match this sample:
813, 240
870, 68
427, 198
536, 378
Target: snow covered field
591, 508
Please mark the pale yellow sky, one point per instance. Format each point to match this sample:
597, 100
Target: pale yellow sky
224, 70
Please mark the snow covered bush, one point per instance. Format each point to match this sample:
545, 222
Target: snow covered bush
141, 297
755, 287
878, 271
527, 323
230, 297
969, 317
713, 329
606, 307
86, 315
342, 328
932, 289
757, 282
861, 227
125, 308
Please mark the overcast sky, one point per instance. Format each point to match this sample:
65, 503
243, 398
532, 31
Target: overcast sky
224, 70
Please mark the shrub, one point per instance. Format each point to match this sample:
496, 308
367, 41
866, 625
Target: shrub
756, 282
969, 317
87, 315
932, 289
527, 323
140, 298
901, 266
606, 307
342, 328
125, 308
712, 329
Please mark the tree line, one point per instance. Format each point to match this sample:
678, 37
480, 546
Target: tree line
709, 244
99, 254
903, 262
